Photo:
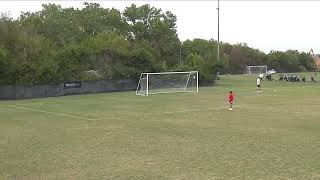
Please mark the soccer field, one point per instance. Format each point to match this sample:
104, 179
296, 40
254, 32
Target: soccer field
271, 135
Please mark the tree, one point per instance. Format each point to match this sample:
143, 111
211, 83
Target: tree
59, 44
4, 64
307, 61
158, 28
142, 60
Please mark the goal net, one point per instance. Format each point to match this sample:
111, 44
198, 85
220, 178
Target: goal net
255, 70
167, 82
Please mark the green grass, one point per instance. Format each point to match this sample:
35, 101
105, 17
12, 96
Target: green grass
167, 136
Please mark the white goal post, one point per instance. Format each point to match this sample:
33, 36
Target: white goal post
168, 82
256, 70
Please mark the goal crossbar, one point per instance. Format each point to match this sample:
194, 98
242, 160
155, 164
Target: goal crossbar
178, 72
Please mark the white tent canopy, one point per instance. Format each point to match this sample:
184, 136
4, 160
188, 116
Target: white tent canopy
272, 71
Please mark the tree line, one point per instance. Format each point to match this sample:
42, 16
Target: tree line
64, 44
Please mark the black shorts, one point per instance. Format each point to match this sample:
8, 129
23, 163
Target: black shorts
258, 85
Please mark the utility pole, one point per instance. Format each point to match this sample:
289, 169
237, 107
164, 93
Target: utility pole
209, 52
218, 53
25, 55
180, 55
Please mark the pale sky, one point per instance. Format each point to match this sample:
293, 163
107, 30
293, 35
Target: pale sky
266, 25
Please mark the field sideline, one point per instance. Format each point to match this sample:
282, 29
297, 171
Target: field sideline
271, 135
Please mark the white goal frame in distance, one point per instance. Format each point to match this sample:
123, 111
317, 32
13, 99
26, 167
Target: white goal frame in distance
248, 71
147, 75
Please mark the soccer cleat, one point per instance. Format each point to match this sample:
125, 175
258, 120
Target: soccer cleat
230, 109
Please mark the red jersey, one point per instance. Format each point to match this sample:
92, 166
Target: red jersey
231, 97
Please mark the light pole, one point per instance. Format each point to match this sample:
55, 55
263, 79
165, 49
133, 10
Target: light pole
180, 54
218, 51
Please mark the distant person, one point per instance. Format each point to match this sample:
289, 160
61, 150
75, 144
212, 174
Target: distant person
303, 78
259, 84
231, 99
268, 77
281, 77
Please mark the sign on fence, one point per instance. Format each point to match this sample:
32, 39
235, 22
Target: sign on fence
75, 84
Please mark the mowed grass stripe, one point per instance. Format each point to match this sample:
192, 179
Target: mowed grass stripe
125, 116
48, 112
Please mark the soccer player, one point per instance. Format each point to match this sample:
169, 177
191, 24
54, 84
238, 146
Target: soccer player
259, 84
231, 98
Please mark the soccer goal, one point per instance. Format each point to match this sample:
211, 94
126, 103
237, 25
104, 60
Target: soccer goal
168, 82
255, 70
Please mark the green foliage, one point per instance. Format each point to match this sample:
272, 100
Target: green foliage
4, 64
61, 44
68, 59
105, 41
207, 70
240, 56
290, 61
158, 28
307, 62
106, 52
142, 60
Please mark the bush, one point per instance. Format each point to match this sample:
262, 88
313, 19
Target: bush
207, 70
